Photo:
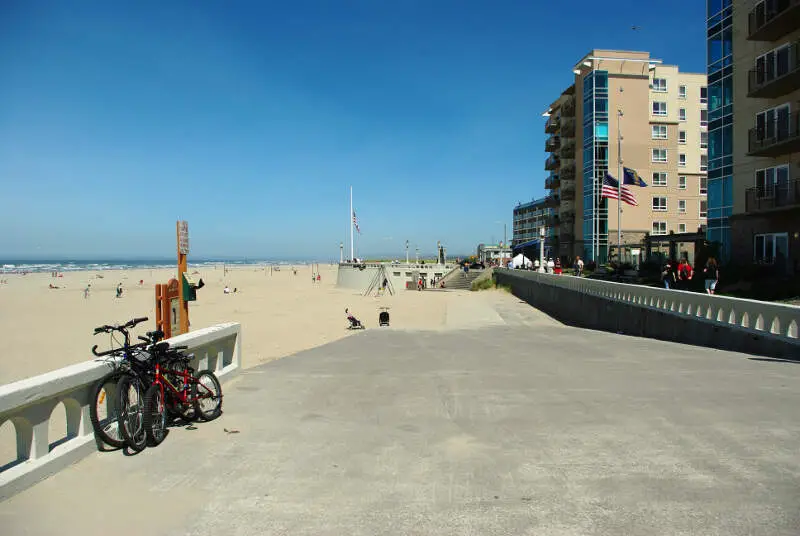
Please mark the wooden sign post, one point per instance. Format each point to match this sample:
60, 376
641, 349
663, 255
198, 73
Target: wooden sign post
183, 250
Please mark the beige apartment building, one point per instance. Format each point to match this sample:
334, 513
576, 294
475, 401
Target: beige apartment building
763, 41
657, 116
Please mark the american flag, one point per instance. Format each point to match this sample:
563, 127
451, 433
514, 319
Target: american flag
609, 191
355, 222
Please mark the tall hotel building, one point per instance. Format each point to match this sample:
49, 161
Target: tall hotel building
661, 117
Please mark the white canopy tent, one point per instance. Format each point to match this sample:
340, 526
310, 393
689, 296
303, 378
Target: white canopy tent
521, 261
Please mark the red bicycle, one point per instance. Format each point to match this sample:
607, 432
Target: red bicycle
177, 389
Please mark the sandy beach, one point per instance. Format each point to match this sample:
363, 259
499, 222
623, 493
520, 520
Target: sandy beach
43, 329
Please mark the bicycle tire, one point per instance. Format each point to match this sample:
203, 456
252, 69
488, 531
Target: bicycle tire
155, 415
106, 427
216, 408
131, 411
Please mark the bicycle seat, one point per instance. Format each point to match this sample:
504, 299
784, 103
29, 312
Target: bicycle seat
156, 335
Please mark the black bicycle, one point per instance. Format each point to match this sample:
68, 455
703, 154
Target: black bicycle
126, 361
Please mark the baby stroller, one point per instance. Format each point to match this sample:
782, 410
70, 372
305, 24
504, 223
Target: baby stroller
383, 317
355, 323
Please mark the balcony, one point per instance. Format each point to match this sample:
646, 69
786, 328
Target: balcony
772, 19
777, 196
781, 137
769, 81
567, 150
552, 162
552, 221
568, 128
568, 194
566, 237
567, 216
568, 108
552, 182
552, 201
552, 144
567, 172
553, 124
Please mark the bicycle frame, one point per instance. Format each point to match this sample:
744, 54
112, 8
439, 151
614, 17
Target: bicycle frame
180, 394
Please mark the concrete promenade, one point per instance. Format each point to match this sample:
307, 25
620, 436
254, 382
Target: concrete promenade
521, 427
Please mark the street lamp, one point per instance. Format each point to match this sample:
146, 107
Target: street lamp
541, 250
341, 252
417, 252
406, 251
439, 252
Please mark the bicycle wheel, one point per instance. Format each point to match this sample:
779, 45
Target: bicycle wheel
155, 415
207, 396
131, 411
104, 410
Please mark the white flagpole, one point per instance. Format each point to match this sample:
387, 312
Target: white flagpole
352, 224
620, 179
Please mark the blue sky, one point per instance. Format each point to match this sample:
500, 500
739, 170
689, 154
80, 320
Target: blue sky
251, 120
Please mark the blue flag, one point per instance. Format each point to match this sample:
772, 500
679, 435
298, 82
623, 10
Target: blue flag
631, 177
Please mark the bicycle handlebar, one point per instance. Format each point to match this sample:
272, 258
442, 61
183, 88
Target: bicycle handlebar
122, 328
117, 350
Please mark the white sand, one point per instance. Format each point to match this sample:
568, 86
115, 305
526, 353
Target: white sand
43, 329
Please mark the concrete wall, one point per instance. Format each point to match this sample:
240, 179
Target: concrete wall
359, 276
749, 326
29, 404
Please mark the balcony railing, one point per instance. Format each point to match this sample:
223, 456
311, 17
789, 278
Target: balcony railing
568, 108
552, 144
780, 138
552, 201
771, 19
778, 77
553, 124
552, 162
552, 182
776, 196
568, 194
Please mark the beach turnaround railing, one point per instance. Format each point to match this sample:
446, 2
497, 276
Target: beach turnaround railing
29, 404
682, 316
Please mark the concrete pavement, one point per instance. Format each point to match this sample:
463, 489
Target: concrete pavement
524, 427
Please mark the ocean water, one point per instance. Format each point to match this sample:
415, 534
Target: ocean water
68, 265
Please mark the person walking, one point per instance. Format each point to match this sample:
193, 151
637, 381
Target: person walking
579, 266
667, 276
711, 272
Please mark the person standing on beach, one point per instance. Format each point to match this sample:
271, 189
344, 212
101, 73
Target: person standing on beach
119, 290
86, 291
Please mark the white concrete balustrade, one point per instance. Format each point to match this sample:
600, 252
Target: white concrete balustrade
29, 404
766, 318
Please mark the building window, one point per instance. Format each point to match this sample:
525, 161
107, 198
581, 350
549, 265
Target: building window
660, 85
703, 95
768, 247
682, 92
659, 108
659, 132
773, 122
660, 204
659, 155
770, 179
682, 160
704, 140
681, 227
681, 182
703, 162
659, 228
682, 136
659, 178
703, 208
774, 64
703, 118
682, 206
703, 185
682, 114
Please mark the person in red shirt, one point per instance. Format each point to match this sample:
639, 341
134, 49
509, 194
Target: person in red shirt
685, 274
